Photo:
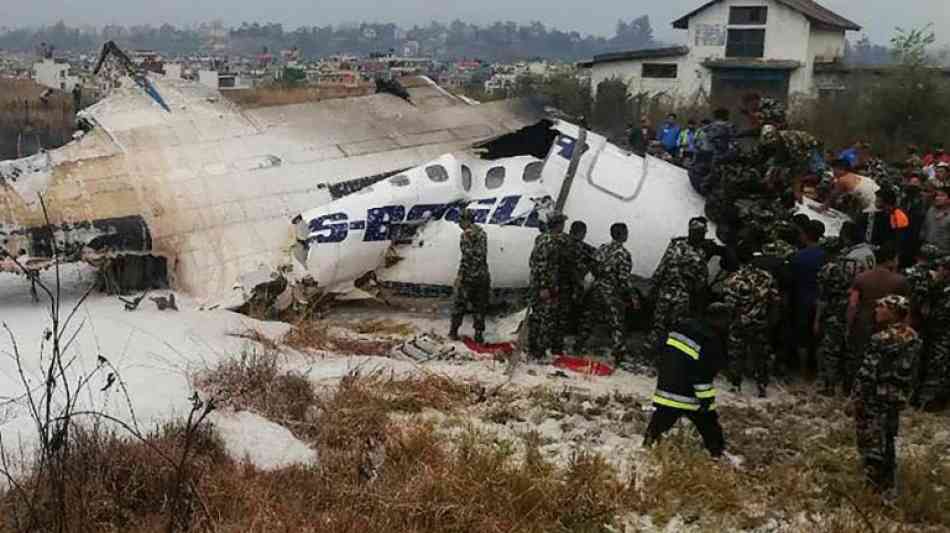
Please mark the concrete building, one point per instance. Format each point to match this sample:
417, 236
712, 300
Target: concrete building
55, 75
734, 47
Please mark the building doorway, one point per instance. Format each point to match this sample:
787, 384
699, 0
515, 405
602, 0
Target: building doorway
730, 85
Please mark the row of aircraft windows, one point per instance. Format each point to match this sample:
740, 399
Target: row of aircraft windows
494, 178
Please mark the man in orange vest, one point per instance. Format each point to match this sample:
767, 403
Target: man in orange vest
888, 224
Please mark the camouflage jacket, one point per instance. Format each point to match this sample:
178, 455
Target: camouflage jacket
683, 267
474, 263
922, 285
771, 111
577, 262
718, 139
614, 269
940, 311
546, 261
793, 150
887, 371
834, 286
751, 292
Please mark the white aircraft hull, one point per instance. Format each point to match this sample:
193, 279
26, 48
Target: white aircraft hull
653, 197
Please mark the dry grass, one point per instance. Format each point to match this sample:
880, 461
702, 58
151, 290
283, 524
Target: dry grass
254, 382
319, 335
118, 483
21, 111
274, 96
800, 468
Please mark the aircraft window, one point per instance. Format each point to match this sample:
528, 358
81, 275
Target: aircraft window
495, 177
399, 181
532, 172
437, 173
466, 178
365, 190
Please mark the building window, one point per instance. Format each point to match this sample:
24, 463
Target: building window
748, 16
659, 70
746, 43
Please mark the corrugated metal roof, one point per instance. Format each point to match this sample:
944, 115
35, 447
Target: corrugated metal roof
811, 9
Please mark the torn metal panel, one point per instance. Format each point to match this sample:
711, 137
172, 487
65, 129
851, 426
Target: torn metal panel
214, 184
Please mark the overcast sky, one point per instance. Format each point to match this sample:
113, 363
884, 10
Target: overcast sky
878, 17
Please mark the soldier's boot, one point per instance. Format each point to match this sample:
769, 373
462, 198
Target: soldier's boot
736, 387
454, 328
763, 391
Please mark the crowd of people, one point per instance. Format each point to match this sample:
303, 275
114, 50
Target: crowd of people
866, 312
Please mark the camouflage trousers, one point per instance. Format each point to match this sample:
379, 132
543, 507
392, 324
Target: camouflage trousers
935, 384
570, 308
471, 297
837, 364
749, 353
544, 328
671, 307
600, 307
876, 427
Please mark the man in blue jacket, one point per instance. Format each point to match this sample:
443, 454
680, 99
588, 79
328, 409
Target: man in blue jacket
669, 134
687, 366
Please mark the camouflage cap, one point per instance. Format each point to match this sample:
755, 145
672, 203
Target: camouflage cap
930, 252
467, 216
769, 134
831, 244
778, 248
555, 218
896, 303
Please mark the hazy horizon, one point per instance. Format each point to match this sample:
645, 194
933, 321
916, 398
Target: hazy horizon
878, 20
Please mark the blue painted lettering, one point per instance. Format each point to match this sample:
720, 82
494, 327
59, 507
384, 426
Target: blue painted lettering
322, 231
379, 219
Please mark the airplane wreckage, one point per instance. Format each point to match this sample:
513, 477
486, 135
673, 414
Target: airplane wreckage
177, 183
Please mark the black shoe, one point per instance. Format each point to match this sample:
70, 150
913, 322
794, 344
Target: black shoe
763, 392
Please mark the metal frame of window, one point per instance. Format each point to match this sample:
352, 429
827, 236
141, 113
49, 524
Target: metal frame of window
660, 70
748, 15
745, 43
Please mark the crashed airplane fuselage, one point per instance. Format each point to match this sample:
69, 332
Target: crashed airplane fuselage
404, 228
209, 186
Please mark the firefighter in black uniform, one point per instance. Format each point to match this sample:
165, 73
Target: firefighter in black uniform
688, 364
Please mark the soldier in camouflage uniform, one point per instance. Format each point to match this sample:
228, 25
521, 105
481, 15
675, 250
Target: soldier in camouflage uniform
473, 283
679, 284
609, 295
935, 386
546, 264
768, 110
883, 387
577, 263
835, 364
716, 146
790, 155
752, 292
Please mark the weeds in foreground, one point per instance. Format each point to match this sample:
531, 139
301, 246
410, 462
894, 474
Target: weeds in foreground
319, 335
